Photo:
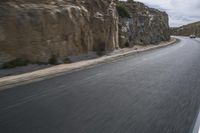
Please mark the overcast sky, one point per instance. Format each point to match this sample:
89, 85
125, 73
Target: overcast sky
180, 11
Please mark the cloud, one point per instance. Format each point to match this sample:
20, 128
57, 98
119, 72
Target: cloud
180, 11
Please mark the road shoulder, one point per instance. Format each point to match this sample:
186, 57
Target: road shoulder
10, 81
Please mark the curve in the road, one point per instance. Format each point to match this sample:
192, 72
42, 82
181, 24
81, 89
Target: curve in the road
151, 92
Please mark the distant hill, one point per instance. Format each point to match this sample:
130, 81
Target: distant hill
186, 30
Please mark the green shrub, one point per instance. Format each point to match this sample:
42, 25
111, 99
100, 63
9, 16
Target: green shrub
67, 60
15, 63
100, 48
122, 11
53, 60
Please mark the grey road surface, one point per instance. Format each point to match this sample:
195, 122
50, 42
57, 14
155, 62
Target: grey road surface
152, 92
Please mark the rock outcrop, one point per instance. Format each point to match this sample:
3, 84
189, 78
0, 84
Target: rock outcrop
187, 30
143, 26
39, 30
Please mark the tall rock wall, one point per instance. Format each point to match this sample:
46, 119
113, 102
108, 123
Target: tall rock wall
144, 26
37, 30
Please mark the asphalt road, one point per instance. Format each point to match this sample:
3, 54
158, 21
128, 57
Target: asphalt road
152, 92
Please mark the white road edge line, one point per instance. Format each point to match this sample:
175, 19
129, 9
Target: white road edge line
197, 125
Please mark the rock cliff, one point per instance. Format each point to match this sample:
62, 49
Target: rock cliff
143, 26
37, 30
187, 30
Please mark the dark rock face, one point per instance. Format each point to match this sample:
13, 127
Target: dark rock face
145, 25
187, 30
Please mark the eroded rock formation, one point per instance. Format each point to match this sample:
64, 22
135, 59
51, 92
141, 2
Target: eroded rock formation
37, 30
144, 26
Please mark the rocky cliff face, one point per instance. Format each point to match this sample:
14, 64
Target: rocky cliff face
37, 30
187, 30
143, 26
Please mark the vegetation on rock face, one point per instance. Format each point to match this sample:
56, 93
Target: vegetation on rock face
15, 63
122, 11
145, 25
